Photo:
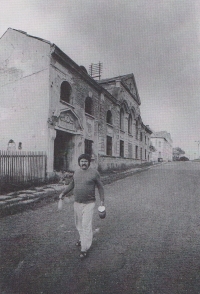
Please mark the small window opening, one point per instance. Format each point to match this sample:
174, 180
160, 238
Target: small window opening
88, 105
109, 117
65, 92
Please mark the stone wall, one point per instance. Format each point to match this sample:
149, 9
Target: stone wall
116, 163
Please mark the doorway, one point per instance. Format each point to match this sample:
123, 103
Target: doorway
63, 151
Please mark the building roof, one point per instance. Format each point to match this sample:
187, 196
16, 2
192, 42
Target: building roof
147, 128
98, 85
25, 33
162, 134
123, 79
65, 59
115, 78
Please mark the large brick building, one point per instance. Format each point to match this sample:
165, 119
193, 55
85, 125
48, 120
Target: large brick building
49, 103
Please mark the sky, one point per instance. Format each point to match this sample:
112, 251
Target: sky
158, 41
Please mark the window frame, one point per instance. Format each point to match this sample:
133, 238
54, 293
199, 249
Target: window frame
141, 136
121, 149
136, 129
109, 145
136, 151
88, 147
65, 93
88, 105
109, 119
121, 119
130, 124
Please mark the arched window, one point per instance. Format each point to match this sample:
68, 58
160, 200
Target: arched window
121, 119
141, 136
88, 105
130, 124
65, 92
109, 117
136, 129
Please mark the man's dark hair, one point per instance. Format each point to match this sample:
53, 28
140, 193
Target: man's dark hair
84, 156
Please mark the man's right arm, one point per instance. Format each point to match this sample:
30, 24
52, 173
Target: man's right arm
67, 189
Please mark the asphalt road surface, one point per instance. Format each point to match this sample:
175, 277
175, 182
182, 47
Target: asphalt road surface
148, 243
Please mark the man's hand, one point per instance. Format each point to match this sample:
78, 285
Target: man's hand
61, 195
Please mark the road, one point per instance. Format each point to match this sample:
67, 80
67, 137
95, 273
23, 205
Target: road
148, 243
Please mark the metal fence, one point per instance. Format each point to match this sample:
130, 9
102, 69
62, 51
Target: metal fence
21, 166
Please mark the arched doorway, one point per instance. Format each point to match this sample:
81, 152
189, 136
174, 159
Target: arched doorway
63, 151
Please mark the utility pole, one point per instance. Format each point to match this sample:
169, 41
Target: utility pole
198, 142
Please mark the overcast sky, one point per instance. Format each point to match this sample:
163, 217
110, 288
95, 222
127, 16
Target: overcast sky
156, 40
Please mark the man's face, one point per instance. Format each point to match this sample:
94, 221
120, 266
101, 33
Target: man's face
84, 164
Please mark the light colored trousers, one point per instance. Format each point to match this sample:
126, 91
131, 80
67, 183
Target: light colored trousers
83, 214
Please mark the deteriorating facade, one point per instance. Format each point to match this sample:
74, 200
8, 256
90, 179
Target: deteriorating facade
49, 103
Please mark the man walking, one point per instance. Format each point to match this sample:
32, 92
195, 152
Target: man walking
84, 182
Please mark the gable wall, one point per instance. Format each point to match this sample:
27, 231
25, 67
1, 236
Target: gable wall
130, 140
24, 91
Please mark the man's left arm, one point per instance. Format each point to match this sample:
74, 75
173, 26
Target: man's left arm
100, 188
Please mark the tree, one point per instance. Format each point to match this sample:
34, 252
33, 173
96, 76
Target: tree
177, 151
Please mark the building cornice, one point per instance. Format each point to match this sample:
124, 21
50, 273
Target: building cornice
146, 128
59, 55
122, 79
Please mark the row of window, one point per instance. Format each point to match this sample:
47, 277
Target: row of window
130, 121
88, 149
121, 152
65, 94
110, 121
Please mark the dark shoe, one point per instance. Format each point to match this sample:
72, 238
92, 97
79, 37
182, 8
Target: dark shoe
78, 243
83, 255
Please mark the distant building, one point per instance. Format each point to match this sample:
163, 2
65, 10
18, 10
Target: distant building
162, 143
49, 103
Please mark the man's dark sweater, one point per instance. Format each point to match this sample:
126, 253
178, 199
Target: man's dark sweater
83, 183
